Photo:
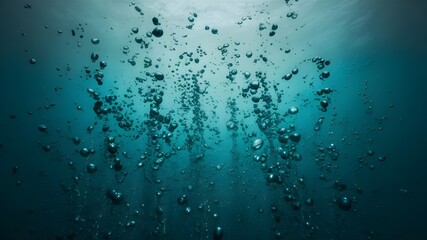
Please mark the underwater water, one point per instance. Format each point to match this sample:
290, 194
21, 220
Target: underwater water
278, 119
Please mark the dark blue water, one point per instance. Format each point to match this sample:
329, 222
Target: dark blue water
213, 120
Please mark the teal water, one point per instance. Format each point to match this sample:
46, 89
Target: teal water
112, 132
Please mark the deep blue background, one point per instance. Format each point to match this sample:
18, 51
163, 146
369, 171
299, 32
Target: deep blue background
377, 52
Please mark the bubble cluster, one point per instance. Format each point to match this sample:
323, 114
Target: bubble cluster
204, 126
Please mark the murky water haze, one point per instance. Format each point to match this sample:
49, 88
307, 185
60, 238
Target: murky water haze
184, 159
